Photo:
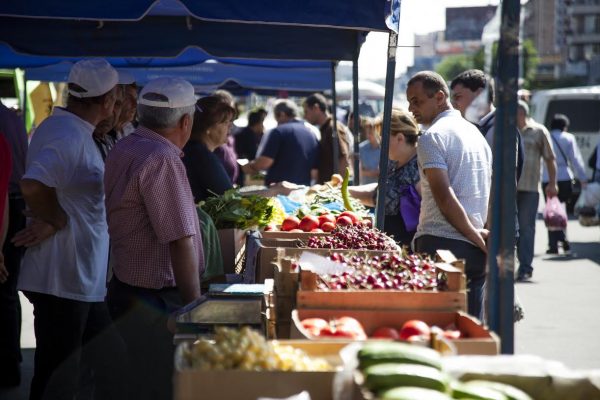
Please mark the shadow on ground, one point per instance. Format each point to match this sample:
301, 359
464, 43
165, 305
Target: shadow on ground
580, 251
21, 392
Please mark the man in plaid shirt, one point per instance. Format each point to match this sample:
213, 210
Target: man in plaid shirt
152, 221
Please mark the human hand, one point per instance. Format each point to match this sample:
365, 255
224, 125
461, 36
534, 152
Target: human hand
551, 190
36, 232
480, 239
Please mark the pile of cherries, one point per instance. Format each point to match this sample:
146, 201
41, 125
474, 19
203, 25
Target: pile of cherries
357, 237
384, 272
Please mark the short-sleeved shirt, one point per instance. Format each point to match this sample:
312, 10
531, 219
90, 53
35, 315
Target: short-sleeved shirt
369, 159
294, 150
568, 158
326, 148
73, 262
149, 204
537, 146
454, 144
205, 172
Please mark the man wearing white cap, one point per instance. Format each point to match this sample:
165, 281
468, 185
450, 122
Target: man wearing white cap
153, 224
63, 272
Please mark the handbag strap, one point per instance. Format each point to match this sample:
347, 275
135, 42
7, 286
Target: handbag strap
560, 149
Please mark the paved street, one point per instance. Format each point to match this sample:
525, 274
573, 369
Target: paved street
562, 318
561, 307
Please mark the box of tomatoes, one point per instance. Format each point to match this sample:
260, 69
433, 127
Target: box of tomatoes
466, 334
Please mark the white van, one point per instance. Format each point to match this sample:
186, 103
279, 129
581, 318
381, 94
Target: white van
581, 105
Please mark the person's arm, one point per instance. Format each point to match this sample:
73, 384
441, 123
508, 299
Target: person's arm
48, 216
185, 268
550, 160
364, 193
262, 163
451, 208
577, 163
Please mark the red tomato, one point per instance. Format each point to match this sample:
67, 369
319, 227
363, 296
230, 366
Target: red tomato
351, 215
296, 230
344, 220
328, 226
323, 219
414, 328
270, 227
317, 230
386, 332
290, 223
308, 223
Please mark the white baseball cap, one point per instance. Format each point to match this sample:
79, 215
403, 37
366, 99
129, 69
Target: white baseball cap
95, 76
125, 77
168, 93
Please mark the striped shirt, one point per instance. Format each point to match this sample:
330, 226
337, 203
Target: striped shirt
149, 204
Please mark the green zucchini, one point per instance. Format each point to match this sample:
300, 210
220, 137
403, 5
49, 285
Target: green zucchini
388, 352
510, 392
413, 393
385, 376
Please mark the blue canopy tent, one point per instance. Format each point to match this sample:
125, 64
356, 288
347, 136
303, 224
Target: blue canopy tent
213, 74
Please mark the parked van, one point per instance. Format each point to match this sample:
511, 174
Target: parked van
581, 105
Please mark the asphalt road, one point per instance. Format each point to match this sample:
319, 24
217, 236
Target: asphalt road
562, 317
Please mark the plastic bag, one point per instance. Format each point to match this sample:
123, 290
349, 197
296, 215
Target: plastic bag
555, 214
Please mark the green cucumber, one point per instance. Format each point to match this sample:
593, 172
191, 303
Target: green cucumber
510, 392
412, 393
475, 392
385, 376
345, 193
388, 352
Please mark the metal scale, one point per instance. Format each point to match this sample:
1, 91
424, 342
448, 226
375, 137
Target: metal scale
231, 305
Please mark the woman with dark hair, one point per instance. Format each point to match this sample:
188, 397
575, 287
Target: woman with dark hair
402, 198
205, 171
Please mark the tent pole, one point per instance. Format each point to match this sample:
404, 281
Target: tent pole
25, 100
500, 283
334, 133
356, 124
385, 134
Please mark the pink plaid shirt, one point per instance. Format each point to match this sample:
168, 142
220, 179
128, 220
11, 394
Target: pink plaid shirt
149, 203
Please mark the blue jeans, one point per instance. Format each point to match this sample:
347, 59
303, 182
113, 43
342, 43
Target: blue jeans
527, 204
475, 265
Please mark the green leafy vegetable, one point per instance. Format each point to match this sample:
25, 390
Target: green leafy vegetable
232, 210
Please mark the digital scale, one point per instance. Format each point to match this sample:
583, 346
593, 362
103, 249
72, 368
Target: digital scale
231, 305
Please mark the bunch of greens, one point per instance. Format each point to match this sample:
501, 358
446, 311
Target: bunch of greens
232, 210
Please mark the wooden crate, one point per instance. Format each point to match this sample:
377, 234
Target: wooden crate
477, 338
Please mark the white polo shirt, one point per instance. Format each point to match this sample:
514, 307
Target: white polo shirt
72, 264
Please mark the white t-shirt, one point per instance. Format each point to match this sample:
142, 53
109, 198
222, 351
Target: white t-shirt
71, 264
456, 145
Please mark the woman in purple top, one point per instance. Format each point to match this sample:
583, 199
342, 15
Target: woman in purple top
206, 173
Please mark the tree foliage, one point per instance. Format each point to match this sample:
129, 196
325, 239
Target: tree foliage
455, 64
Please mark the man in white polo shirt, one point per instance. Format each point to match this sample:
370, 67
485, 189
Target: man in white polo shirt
63, 272
455, 163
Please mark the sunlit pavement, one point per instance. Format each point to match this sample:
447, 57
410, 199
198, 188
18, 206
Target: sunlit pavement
562, 301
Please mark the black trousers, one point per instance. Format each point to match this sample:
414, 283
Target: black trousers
141, 316
475, 266
69, 333
10, 306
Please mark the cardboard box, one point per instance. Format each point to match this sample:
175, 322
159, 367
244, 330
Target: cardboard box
232, 246
250, 385
478, 339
